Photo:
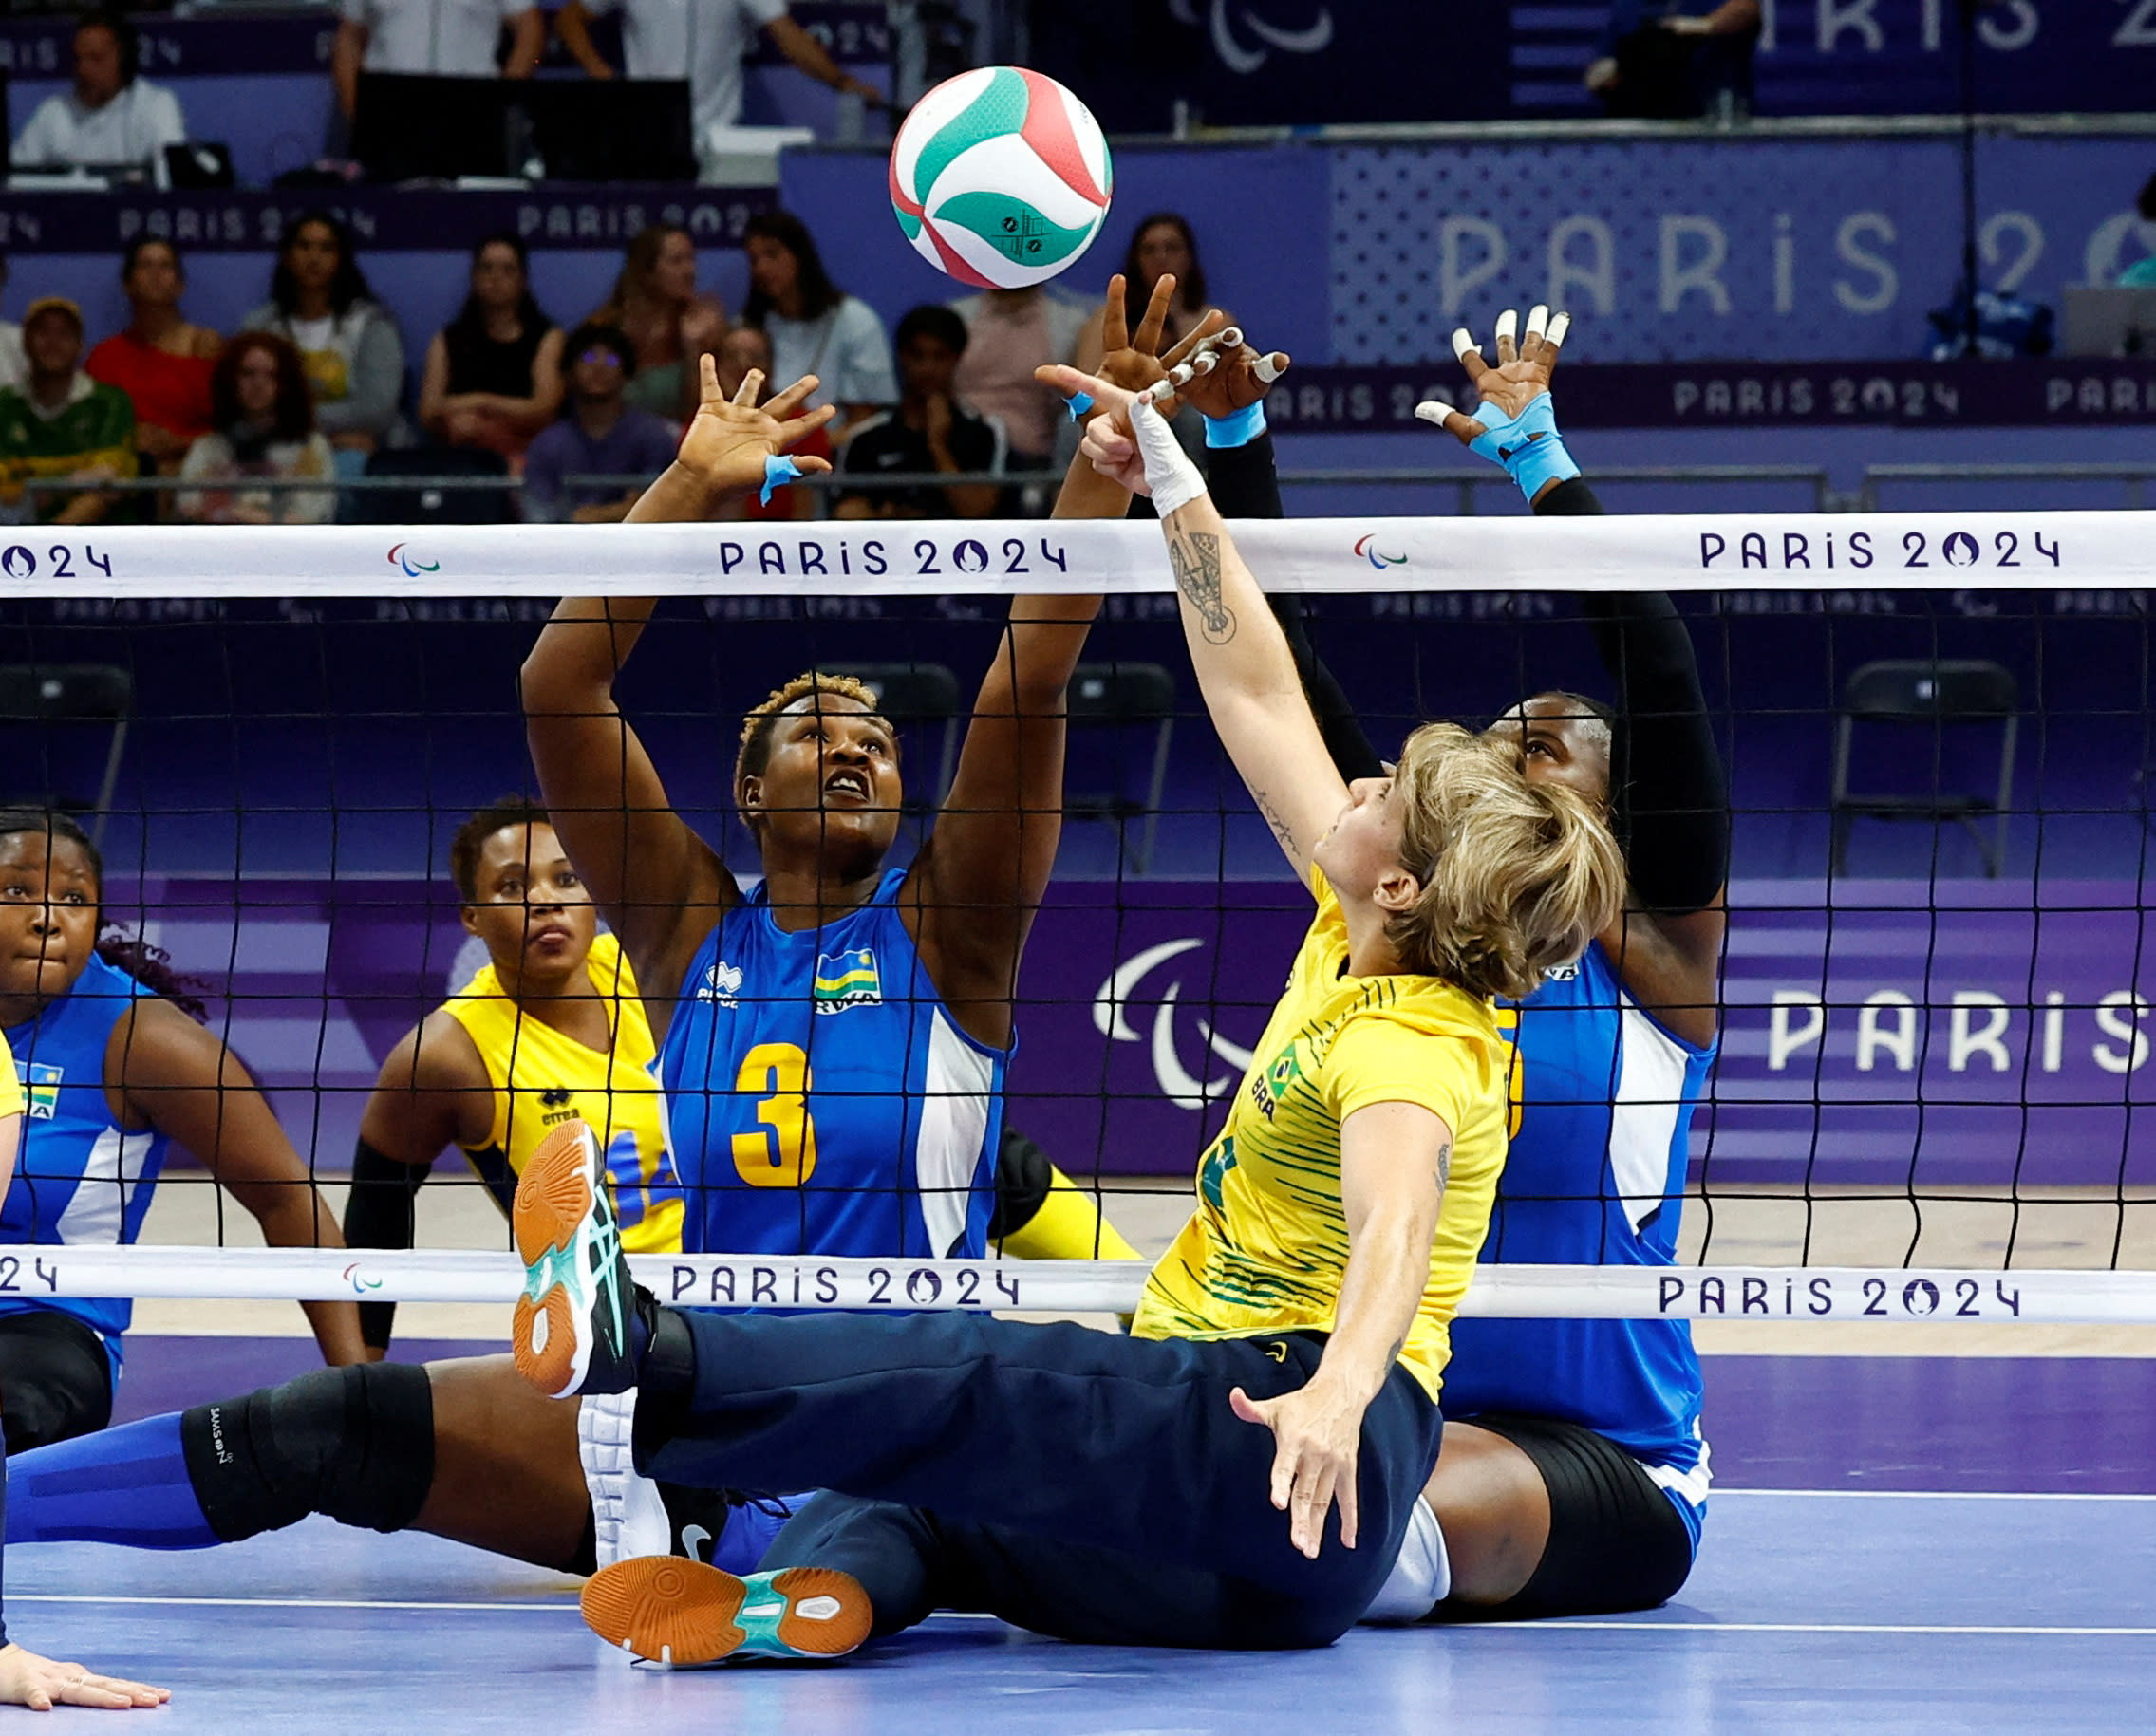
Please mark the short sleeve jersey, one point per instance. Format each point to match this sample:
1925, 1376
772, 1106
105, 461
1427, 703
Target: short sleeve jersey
1267, 1247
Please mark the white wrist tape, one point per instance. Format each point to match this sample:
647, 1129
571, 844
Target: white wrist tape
1168, 473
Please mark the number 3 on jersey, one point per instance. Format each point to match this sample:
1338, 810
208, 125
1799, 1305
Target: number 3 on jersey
782, 1153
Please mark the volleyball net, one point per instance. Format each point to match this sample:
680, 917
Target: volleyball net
1931, 1099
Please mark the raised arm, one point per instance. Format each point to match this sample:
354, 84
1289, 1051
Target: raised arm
977, 883
1245, 668
660, 886
179, 1079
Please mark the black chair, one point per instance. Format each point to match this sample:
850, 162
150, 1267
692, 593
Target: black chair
1121, 696
921, 695
422, 505
1934, 695
43, 695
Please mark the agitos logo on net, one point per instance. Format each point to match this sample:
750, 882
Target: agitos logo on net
413, 567
1365, 546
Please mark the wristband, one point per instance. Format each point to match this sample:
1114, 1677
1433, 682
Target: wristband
1529, 447
778, 470
1077, 403
1237, 428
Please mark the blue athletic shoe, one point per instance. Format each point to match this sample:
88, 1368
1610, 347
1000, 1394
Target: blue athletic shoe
679, 1613
573, 1329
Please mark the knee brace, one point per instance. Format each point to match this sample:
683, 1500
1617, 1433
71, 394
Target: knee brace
355, 1444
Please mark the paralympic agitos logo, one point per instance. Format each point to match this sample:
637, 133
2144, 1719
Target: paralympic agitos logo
1126, 988
1367, 548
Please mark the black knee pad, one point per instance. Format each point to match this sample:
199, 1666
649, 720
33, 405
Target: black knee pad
355, 1444
1023, 1175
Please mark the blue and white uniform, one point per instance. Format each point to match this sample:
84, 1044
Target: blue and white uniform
820, 1097
81, 1178
1595, 1177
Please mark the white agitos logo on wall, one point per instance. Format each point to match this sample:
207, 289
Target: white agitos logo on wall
1314, 38
1178, 1083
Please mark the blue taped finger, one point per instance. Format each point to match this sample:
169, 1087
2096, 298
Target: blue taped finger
1077, 403
778, 470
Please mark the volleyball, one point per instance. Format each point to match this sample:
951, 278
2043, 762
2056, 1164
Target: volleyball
1000, 177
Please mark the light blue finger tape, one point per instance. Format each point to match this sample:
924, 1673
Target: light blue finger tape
1077, 403
1529, 447
1237, 428
778, 470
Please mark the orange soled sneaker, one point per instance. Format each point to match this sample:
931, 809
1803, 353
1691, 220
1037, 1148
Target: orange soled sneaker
572, 1332
681, 1612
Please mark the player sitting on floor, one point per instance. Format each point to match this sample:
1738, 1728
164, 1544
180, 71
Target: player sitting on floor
116, 1071
1290, 1345
463, 1449
1573, 1477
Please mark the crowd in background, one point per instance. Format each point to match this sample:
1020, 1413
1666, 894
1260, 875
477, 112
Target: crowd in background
274, 423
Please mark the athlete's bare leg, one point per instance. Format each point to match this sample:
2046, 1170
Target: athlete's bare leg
506, 1474
1493, 1508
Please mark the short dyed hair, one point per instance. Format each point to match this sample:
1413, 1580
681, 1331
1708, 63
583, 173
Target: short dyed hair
471, 838
759, 724
1516, 876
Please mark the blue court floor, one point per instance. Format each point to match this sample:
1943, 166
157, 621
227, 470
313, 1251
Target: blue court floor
1936, 1607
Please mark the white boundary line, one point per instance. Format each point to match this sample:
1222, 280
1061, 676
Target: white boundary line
1562, 1626
1719, 1493
568, 1604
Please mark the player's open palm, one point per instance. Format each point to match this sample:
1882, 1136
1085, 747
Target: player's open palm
1525, 364
730, 438
42, 1683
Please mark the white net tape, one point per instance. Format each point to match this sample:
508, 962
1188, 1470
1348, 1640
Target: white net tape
1756, 552
1905, 550
1080, 1286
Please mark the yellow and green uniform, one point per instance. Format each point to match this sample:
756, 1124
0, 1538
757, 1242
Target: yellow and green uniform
543, 1077
1267, 1247
94, 428
12, 1099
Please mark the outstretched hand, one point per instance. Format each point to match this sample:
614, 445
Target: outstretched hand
1132, 359
1110, 445
730, 438
1224, 374
42, 1683
1521, 376
1317, 1435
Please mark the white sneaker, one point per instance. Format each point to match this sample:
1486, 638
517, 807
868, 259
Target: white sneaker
627, 1516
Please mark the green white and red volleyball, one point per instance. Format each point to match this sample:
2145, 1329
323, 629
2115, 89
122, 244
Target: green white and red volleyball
1000, 177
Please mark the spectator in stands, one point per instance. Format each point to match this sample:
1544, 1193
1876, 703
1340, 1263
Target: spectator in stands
815, 327
493, 375
160, 360
599, 435
744, 348
454, 38
1009, 333
347, 341
60, 422
264, 417
1162, 243
705, 40
1677, 60
14, 367
929, 431
2141, 274
112, 119
656, 303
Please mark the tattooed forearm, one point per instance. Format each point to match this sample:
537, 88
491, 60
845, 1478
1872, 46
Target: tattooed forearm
1195, 557
1281, 834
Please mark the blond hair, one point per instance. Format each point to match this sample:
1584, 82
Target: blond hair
757, 726
1516, 877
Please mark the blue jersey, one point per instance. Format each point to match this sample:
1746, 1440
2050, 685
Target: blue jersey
819, 1100
79, 1177
1595, 1177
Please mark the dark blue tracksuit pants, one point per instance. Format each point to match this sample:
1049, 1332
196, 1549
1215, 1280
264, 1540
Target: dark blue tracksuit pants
1077, 1484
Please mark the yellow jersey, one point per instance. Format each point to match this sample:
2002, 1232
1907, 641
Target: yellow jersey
12, 1099
542, 1077
1267, 1248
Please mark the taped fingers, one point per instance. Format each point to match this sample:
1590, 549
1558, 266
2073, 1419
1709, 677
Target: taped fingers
1507, 334
1470, 358
1559, 325
1461, 426
1270, 368
1538, 323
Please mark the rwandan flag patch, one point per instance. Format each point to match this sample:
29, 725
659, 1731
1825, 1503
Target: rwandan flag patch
847, 980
